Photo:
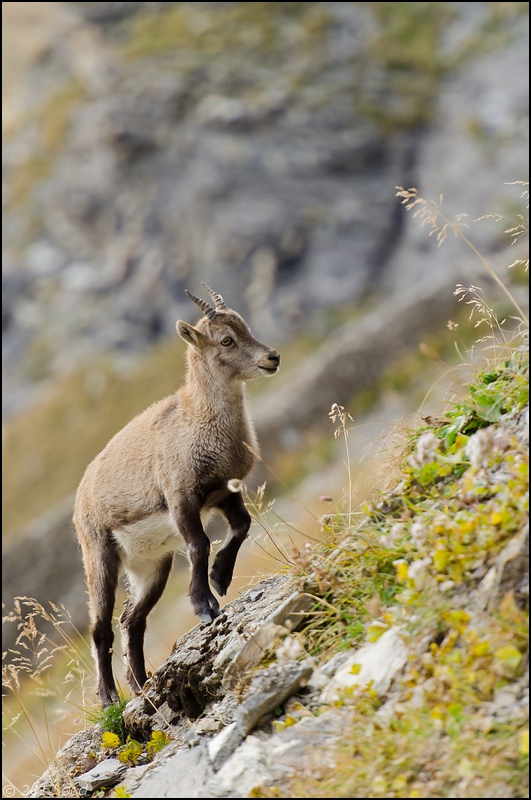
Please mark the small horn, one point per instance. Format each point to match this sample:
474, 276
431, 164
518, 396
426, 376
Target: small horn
217, 298
205, 307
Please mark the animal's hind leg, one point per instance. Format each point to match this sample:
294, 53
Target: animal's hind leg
102, 564
146, 583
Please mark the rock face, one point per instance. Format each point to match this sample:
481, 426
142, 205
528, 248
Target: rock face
211, 696
209, 676
210, 661
152, 160
212, 675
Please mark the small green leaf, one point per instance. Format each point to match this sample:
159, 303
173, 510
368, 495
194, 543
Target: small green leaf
509, 656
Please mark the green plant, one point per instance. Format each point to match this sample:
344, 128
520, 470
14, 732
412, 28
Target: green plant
130, 752
157, 742
338, 413
112, 721
120, 791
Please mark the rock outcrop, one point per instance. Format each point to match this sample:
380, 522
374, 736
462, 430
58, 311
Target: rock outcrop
219, 693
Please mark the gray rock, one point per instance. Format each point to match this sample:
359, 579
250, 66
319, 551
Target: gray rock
80, 746
509, 573
205, 661
106, 773
224, 744
379, 663
268, 690
242, 772
184, 775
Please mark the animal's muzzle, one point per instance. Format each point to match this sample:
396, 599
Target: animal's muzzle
270, 362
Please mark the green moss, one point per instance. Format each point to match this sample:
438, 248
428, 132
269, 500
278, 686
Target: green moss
56, 114
405, 50
32, 171
236, 30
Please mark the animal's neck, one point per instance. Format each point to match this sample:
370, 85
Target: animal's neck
213, 393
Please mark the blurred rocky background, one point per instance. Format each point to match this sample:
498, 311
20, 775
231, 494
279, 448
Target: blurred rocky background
256, 147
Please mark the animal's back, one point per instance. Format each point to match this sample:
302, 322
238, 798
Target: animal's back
123, 482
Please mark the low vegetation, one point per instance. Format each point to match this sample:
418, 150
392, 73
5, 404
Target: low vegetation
414, 560
418, 558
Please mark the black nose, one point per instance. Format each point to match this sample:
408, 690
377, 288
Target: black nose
274, 358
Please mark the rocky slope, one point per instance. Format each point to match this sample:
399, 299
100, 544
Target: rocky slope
410, 623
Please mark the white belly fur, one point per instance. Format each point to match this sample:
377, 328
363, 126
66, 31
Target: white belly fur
150, 539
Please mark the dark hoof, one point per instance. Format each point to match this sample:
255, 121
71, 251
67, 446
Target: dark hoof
220, 582
210, 613
222, 591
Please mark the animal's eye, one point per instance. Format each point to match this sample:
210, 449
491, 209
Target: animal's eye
226, 341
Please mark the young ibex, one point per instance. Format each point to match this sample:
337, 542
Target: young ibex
182, 456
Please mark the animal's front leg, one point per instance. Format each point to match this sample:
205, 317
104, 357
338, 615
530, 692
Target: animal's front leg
239, 520
188, 520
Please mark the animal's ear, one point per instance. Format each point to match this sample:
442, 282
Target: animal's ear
190, 334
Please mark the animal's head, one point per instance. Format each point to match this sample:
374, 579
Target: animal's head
223, 340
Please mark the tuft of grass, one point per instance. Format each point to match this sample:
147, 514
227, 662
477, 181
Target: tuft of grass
112, 722
44, 680
430, 214
47, 681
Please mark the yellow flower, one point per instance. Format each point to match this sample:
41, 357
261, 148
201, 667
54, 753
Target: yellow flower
110, 740
401, 566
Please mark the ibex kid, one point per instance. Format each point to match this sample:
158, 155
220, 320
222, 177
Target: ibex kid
182, 456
